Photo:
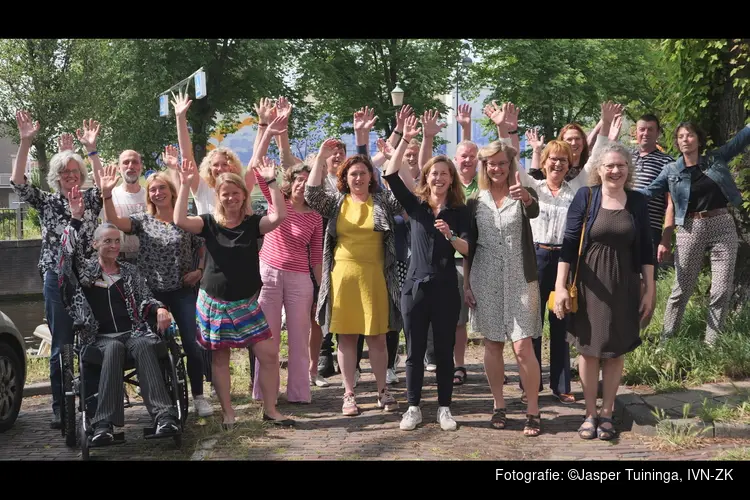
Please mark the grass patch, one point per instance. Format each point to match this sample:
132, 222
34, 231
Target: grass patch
734, 455
37, 369
685, 360
738, 412
673, 437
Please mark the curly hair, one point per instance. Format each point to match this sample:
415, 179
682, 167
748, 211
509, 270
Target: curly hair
290, 175
343, 171
58, 163
232, 159
455, 196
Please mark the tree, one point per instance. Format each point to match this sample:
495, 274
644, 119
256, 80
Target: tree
341, 76
708, 82
557, 81
47, 78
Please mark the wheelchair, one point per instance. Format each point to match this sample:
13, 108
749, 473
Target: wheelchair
171, 360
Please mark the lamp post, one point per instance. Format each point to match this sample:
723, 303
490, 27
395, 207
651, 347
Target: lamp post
465, 62
397, 95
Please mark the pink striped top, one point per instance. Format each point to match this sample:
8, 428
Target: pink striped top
285, 247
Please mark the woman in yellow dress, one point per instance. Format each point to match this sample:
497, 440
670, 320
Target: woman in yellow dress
359, 293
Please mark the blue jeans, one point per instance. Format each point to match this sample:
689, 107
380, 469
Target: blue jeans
181, 304
61, 327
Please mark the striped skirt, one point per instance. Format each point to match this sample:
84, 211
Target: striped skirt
236, 324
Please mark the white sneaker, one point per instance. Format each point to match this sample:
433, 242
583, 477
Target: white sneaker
391, 377
411, 419
202, 407
319, 381
445, 419
387, 401
396, 362
431, 367
356, 379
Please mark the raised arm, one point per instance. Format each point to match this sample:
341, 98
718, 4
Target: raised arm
537, 146
591, 139
187, 222
397, 164
398, 133
277, 126
316, 195
265, 163
736, 145
274, 218
463, 118
72, 257
109, 180
171, 159
288, 160
609, 111
364, 120
87, 137
430, 128
181, 103
505, 118
27, 130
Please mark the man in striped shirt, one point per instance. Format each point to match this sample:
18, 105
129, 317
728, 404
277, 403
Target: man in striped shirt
649, 162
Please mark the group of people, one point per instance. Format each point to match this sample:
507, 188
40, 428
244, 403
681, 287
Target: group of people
347, 252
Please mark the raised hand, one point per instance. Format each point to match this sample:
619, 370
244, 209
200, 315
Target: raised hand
614, 129
65, 142
109, 179
364, 119
534, 140
171, 158
385, 148
405, 112
88, 134
610, 110
327, 149
278, 125
411, 129
181, 103
265, 110
518, 192
267, 168
444, 228
463, 116
27, 129
505, 115
187, 172
283, 107
75, 198
430, 124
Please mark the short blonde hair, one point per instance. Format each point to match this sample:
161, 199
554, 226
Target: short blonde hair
163, 177
219, 213
491, 149
232, 159
556, 146
595, 179
58, 163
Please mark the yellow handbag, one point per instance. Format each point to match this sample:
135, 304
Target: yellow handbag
572, 288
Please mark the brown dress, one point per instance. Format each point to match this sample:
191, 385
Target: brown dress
607, 324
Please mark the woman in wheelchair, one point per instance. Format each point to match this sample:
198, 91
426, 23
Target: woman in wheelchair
112, 308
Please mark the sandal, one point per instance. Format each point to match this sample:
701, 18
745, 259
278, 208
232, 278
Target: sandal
499, 420
459, 379
533, 425
566, 399
606, 434
585, 432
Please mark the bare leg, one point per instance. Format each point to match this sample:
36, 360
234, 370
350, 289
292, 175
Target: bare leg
378, 358
221, 380
494, 367
528, 368
267, 355
347, 354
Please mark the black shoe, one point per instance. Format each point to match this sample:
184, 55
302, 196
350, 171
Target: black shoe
325, 366
56, 422
166, 425
103, 433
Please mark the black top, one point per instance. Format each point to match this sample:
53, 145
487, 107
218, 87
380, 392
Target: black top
705, 194
232, 265
108, 306
431, 254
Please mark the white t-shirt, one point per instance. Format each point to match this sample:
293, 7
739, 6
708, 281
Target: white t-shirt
205, 198
127, 204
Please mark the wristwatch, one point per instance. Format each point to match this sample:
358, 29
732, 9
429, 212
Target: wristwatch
453, 236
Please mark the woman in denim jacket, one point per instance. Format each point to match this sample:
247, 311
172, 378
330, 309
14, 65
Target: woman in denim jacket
701, 186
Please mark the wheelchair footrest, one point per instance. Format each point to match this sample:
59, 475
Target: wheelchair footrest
150, 433
119, 438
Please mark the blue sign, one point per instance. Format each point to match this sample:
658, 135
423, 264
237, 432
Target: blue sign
200, 84
148, 173
163, 105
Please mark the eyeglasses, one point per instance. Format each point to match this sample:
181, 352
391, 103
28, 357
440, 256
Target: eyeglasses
561, 161
611, 166
68, 172
493, 164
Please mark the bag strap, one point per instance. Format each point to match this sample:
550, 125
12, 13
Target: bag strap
583, 232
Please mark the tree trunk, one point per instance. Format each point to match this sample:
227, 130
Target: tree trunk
43, 163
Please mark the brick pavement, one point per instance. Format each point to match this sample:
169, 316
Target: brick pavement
323, 433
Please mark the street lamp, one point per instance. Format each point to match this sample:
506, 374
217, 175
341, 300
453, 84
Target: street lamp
466, 62
397, 95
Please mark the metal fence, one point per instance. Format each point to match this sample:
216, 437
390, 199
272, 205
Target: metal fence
12, 223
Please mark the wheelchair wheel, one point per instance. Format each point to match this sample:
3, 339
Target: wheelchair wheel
177, 381
68, 406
